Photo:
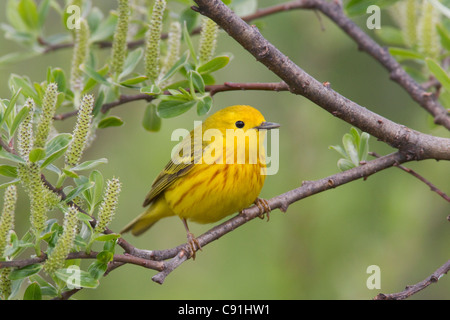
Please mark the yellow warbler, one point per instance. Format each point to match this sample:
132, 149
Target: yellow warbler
217, 170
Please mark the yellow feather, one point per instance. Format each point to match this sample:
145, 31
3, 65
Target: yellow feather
226, 180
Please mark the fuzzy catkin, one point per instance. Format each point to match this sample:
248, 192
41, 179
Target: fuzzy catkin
428, 38
109, 205
80, 54
7, 217
152, 49
173, 47
64, 243
208, 39
81, 131
119, 46
46, 118
25, 132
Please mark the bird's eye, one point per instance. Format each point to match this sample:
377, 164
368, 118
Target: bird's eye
240, 124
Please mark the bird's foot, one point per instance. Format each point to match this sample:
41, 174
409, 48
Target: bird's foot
264, 208
193, 243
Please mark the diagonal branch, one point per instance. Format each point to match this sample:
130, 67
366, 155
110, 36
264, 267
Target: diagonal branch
413, 143
181, 253
410, 290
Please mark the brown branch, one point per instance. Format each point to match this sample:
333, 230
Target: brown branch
212, 89
413, 143
118, 258
181, 253
410, 290
418, 176
365, 43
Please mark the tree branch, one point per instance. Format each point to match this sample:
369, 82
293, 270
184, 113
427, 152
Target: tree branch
212, 89
410, 290
181, 253
418, 176
413, 143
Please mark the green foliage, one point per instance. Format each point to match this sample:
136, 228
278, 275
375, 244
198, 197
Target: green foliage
175, 73
420, 40
354, 149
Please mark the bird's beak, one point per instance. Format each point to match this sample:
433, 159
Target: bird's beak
267, 125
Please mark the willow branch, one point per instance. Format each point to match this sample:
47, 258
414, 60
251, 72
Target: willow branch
181, 253
421, 178
118, 258
410, 290
212, 89
415, 144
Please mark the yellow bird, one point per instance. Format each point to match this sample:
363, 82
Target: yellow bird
217, 170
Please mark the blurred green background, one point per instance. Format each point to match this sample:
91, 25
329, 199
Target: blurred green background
322, 246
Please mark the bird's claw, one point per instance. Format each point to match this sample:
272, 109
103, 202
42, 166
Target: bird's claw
193, 244
264, 208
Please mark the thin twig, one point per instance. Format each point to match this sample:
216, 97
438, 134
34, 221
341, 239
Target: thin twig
212, 89
418, 176
410, 290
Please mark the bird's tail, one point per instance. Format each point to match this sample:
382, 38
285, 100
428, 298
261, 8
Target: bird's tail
156, 211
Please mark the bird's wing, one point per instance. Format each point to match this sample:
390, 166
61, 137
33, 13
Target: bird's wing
172, 171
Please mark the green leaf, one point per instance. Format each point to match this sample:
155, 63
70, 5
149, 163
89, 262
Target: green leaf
189, 17
10, 108
177, 66
174, 107
390, 35
58, 76
439, 73
97, 269
151, 121
364, 146
87, 165
27, 89
56, 147
76, 278
97, 191
43, 12
36, 154
204, 105
105, 30
46, 288
345, 164
151, 90
187, 39
214, 64
132, 81
111, 121
108, 237
25, 271
197, 81
359, 7
9, 156
28, 12
445, 36
404, 54
350, 148
70, 173
7, 184
76, 191
91, 83
94, 75
8, 171
33, 292
18, 119
131, 62
339, 149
